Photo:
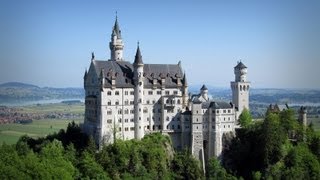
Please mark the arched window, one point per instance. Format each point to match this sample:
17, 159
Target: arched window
109, 112
126, 111
244, 88
247, 87
178, 101
109, 102
240, 88
119, 111
126, 102
145, 110
117, 102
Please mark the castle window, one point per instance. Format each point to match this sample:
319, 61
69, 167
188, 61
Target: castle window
131, 128
240, 88
120, 111
167, 126
117, 93
126, 129
131, 120
172, 126
109, 92
119, 128
150, 92
153, 101
175, 92
178, 126
139, 109
148, 102
224, 111
145, 110
178, 101
120, 120
148, 127
159, 92
117, 102
153, 127
139, 118
109, 121
131, 92
224, 126
168, 119
131, 102
132, 111
197, 127
109, 102
229, 111
139, 100
126, 111
187, 127
167, 92
126, 93
126, 120
167, 101
218, 111
126, 102
197, 112
109, 112
213, 111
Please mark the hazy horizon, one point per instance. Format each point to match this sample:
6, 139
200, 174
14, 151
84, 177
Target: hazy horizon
50, 43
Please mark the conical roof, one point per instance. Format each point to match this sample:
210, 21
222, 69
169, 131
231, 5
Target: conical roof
204, 87
138, 57
240, 65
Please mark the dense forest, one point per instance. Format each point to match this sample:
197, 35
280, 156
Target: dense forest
278, 147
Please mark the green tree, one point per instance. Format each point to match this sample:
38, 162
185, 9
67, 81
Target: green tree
245, 118
215, 171
89, 168
53, 160
185, 166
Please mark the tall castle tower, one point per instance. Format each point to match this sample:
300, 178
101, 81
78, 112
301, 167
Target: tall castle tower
138, 95
116, 44
240, 88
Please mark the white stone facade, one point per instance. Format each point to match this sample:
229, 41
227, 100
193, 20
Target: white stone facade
128, 100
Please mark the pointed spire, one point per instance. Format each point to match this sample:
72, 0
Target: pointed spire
92, 56
138, 58
116, 30
185, 83
85, 73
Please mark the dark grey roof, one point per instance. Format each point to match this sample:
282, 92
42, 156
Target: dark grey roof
220, 105
240, 65
205, 105
138, 57
116, 30
203, 88
122, 71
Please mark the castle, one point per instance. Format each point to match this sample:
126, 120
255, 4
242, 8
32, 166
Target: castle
125, 100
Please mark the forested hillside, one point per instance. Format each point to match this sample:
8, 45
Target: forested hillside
278, 147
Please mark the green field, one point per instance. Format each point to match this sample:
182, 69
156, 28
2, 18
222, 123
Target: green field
10, 133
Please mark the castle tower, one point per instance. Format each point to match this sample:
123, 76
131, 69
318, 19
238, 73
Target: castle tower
138, 95
303, 116
185, 91
204, 92
240, 88
116, 44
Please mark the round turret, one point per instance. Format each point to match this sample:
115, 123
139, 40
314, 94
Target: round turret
240, 72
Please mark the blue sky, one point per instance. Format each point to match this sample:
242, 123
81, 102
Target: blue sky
49, 43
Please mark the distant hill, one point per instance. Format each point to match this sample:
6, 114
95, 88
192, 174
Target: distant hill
15, 92
266, 95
